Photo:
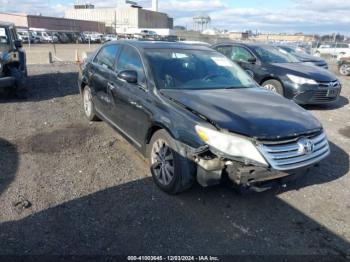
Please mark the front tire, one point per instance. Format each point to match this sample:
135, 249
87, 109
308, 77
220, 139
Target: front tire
171, 172
89, 108
344, 69
274, 86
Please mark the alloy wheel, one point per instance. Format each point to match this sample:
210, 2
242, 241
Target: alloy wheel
162, 160
345, 69
270, 87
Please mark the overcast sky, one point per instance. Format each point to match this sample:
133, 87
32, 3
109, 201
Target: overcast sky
309, 16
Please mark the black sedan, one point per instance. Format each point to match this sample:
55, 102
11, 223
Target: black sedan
304, 57
197, 115
283, 73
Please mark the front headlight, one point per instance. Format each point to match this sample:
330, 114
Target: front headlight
301, 80
230, 144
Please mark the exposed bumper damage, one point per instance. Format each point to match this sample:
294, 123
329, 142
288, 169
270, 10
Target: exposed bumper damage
211, 169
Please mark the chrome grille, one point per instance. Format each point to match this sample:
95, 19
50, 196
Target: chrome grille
288, 156
331, 84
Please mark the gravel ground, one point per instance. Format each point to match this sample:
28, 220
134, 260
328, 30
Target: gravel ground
68, 186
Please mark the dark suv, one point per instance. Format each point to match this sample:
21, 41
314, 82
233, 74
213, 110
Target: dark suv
197, 115
283, 73
13, 69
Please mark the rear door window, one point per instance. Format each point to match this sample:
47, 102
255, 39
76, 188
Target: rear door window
241, 54
225, 50
106, 56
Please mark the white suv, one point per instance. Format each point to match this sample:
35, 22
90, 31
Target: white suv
334, 49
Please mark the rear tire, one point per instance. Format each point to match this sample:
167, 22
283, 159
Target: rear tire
171, 172
274, 86
89, 108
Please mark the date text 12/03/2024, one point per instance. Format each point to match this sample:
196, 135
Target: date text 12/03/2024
172, 258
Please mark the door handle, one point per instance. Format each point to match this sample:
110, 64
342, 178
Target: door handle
110, 86
135, 104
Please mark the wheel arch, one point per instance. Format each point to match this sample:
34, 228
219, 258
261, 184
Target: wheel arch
267, 78
82, 86
156, 126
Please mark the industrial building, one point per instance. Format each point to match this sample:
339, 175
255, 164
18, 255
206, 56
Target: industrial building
284, 37
52, 23
125, 17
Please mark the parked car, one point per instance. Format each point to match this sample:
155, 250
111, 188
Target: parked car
147, 35
26, 36
13, 69
197, 115
61, 37
109, 37
344, 66
73, 37
34, 37
93, 37
22, 36
283, 73
334, 49
44, 37
304, 57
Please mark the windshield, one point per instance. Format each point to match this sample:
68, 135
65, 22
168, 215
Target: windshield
195, 69
294, 50
288, 49
4, 40
270, 54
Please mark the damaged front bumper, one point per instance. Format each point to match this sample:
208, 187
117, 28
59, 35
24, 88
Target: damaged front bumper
212, 168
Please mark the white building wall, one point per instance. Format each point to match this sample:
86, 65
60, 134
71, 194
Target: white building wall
105, 15
121, 18
125, 17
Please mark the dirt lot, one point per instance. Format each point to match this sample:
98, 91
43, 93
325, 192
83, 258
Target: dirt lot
68, 186
39, 53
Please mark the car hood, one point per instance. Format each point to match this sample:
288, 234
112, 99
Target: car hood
308, 58
253, 112
304, 70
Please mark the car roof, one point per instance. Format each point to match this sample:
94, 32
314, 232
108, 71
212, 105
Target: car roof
142, 45
249, 45
6, 23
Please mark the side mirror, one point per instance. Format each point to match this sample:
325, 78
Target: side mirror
18, 44
252, 60
129, 76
